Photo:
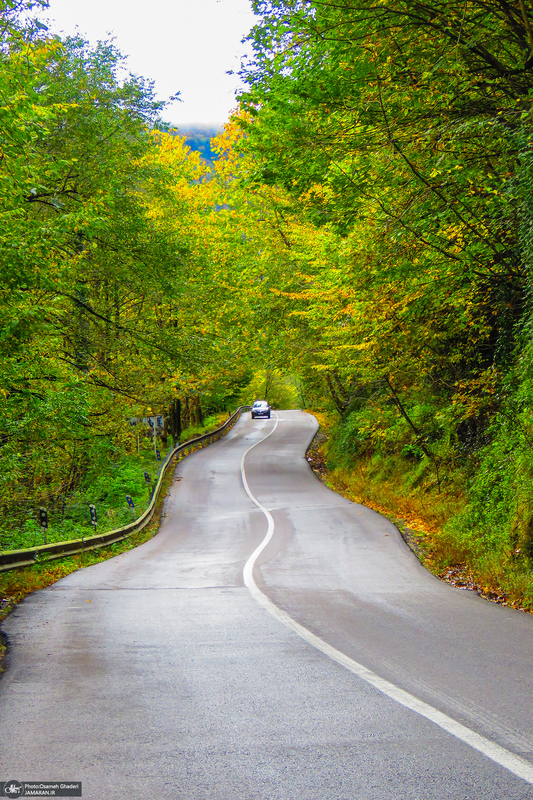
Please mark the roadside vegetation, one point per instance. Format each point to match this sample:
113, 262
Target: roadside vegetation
423, 517
106, 483
388, 149
360, 243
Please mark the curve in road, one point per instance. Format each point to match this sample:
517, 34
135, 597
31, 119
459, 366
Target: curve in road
515, 764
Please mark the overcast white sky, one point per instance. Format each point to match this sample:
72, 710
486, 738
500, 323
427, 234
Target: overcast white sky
183, 46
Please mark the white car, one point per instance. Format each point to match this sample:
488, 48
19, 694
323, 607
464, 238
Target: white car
260, 408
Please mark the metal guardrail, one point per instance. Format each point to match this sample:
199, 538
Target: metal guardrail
11, 559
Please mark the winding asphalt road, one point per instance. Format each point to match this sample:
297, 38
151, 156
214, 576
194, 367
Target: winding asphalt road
272, 642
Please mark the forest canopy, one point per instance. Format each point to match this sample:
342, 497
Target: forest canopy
361, 239
106, 282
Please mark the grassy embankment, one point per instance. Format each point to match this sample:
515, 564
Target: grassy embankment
429, 519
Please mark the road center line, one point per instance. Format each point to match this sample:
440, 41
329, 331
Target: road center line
515, 764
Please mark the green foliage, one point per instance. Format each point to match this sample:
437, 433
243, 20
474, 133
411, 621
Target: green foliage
272, 385
106, 290
209, 424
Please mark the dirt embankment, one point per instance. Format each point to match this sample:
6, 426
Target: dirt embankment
418, 539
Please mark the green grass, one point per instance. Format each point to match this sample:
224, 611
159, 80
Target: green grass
106, 489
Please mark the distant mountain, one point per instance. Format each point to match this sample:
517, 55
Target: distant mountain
198, 138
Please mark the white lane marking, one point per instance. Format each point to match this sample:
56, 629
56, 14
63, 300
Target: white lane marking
515, 764
248, 572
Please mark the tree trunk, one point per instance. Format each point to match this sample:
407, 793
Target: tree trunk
198, 416
340, 406
185, 413
174, 419
268, 383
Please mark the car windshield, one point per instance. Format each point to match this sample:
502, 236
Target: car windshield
260, 404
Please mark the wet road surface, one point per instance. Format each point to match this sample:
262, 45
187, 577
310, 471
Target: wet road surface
165, 673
